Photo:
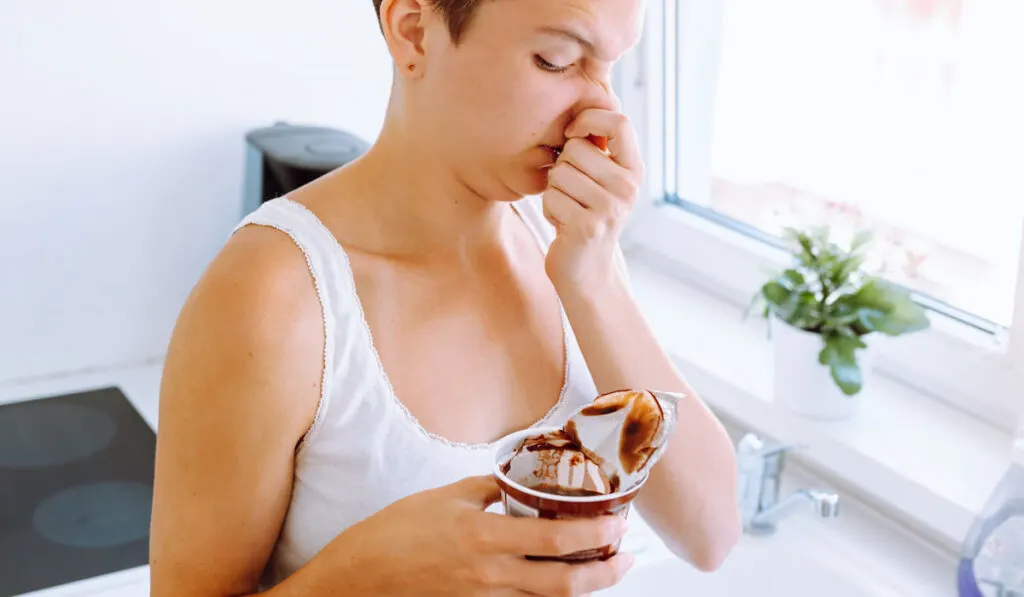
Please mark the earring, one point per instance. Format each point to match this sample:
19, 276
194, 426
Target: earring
411, 67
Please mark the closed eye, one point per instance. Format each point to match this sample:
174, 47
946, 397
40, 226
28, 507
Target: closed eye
551, 68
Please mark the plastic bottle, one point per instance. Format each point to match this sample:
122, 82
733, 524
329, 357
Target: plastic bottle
992, 559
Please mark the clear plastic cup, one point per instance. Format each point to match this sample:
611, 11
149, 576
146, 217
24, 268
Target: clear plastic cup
522, 501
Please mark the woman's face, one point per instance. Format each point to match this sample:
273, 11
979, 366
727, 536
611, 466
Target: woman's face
497, 103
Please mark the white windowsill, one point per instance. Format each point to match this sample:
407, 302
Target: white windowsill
925, 464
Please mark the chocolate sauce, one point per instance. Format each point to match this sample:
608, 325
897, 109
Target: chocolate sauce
537, 447
556, 440
570, 432
603, 409
555, 454
564, 491
638, 431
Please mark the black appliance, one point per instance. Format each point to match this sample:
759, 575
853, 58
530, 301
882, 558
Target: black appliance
283, 157
76, 489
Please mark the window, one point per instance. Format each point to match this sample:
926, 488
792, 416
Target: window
897, 115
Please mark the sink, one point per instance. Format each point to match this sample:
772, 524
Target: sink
862, 553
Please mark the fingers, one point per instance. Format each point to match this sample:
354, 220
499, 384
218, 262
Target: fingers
590, 160
542, 537
560, 209
560, 579
569, 179
575, 204
480, 490
623, 147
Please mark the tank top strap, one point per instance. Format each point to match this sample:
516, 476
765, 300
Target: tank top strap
332, 279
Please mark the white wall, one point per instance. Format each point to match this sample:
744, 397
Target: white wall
121, 153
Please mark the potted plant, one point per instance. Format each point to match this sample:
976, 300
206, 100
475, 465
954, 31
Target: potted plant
823, 311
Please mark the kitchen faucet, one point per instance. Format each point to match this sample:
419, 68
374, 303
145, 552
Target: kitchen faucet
760, 466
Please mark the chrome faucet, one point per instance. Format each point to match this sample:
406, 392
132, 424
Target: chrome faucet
760, 467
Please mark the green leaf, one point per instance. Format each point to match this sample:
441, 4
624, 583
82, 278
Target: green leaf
839, 355
845, 319
784, 302
861, 240
845, 268
792, 279
776, 294
805, 252
890, 309
870, 319
803, 310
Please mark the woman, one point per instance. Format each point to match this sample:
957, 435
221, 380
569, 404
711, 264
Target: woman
338, 374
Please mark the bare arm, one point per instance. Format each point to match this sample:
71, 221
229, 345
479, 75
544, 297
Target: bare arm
690, 498
240, 386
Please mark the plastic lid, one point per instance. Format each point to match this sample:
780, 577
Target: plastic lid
308, 147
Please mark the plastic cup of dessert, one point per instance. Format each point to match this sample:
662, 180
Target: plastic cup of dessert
522, 501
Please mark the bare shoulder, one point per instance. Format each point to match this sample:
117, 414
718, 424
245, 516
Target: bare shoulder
254, 319
240, 386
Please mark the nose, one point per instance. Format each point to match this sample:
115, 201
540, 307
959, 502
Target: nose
597, 93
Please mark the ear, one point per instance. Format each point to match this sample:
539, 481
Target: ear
405, 23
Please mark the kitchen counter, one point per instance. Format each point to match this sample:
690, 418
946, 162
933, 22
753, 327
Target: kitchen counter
140, 383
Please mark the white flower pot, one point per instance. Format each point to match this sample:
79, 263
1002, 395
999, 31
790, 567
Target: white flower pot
802, 384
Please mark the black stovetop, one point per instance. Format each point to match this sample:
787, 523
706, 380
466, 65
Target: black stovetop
76, 487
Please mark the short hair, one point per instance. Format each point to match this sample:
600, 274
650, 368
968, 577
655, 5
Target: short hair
457, 14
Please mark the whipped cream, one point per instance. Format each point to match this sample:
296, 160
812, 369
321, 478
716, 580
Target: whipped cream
555, 463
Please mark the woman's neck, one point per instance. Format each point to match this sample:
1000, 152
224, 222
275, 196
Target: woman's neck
417, 205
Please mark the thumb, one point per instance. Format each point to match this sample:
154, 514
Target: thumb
480, 490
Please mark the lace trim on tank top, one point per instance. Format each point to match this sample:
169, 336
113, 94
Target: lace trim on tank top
410, 418
255, 219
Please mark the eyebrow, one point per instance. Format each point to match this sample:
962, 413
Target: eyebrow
574, 36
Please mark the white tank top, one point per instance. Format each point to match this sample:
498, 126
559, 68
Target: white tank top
365, 450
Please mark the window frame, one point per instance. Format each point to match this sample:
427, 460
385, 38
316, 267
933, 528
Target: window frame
974, 369
1016, 336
